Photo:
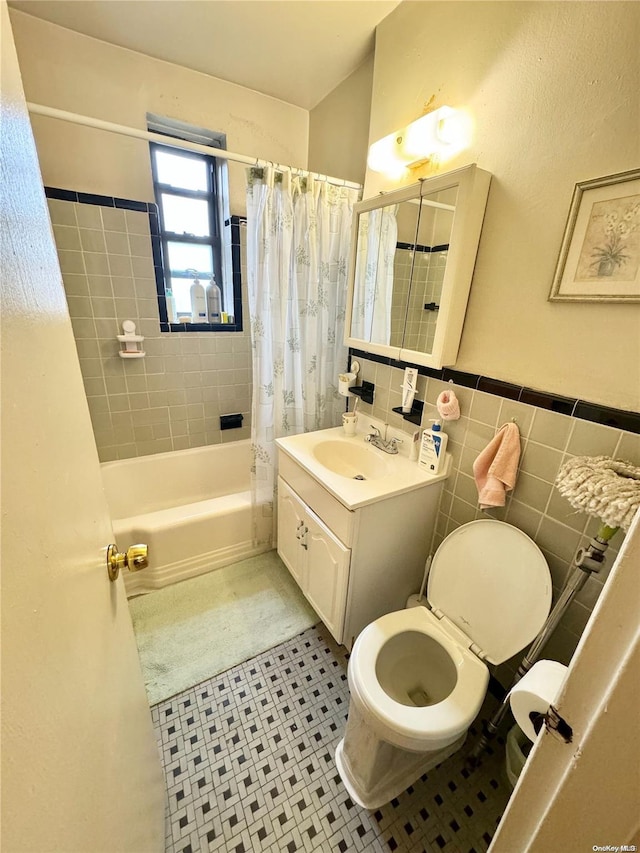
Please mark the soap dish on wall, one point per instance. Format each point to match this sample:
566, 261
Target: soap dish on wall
415, 415
130, 343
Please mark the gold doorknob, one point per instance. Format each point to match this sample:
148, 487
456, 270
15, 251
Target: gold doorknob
135, 558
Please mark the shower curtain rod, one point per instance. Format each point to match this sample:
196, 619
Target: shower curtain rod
123, 130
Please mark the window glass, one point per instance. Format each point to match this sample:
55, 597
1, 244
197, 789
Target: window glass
186, 215
180, 171
190, 256
181, 289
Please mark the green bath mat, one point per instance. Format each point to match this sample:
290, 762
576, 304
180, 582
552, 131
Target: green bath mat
191, 631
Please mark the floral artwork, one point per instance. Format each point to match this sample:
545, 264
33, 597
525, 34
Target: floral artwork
600, 255
610, 247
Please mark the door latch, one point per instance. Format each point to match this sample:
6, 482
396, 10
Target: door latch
553, 722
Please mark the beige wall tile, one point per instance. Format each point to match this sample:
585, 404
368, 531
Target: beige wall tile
113, 219
629, 448
532, 491
88, 216
95, 263
589, 439
524, 517
541, 461
62, 212
485, 408
558, 539
511, 410
92, 240
117, 243
67, 237
551, 429
560, 509
71, 262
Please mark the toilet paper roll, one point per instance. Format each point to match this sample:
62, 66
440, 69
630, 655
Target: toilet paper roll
534, 693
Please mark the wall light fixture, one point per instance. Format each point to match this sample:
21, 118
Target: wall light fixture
440, 135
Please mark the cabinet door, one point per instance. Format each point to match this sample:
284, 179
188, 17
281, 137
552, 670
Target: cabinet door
326, 574
291, 515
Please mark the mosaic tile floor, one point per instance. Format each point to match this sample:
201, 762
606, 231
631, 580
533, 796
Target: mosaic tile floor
249, 765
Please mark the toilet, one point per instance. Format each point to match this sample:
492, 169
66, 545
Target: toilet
418, 677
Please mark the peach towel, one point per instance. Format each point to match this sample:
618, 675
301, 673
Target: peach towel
495, 469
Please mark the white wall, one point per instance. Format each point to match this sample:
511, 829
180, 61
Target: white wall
64, 69
339, 127
553, 88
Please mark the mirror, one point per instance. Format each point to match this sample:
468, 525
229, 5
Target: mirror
411, 266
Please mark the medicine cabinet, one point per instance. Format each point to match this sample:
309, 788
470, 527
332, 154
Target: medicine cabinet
412, 260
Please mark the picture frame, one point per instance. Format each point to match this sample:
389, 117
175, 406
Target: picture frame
600, 254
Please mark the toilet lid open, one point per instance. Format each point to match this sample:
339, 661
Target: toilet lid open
492, 581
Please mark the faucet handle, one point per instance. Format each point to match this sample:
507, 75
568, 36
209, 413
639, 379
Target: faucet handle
395, 441
376, 431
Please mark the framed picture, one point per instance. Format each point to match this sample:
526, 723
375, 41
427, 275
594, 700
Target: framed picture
600, 254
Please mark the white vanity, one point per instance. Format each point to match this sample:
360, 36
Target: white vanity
354, 525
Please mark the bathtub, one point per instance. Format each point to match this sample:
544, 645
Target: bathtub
191, 507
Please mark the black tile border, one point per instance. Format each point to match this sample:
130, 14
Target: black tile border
102, 200
418, 247
156, 246
581, 409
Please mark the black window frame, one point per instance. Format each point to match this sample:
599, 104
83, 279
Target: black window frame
219, 238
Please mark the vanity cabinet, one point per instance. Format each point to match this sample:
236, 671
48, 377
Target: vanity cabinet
353, 565
317, 560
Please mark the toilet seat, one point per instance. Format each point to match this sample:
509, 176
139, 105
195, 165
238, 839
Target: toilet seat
493, 582
416, 728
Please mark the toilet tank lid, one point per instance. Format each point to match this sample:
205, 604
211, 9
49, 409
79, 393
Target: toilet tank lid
493, 582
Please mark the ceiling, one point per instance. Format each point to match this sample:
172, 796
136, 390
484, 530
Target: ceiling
294, 50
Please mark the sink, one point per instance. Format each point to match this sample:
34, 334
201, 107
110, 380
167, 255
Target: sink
350, 460
353, 471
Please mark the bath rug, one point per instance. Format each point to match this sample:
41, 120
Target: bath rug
198, 628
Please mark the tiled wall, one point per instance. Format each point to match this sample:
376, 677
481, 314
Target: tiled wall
426, 287
171, 399
535, 506
417, 281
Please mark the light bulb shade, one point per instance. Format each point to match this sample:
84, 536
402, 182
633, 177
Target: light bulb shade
441, 133
384, 156
424, 136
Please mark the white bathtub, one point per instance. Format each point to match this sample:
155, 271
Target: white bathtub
191, 507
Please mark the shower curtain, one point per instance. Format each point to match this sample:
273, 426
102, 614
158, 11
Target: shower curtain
298, 236
373, 286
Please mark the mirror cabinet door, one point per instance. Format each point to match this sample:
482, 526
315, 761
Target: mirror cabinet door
429, 266
411, 267
386, 238
383, 272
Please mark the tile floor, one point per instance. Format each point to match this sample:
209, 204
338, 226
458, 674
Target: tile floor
248, 758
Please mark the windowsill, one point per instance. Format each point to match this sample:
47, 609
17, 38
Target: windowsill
201, 327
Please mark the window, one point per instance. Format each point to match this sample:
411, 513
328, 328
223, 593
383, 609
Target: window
194, 225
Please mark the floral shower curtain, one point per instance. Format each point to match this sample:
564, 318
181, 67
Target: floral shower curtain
373, 286
298, 236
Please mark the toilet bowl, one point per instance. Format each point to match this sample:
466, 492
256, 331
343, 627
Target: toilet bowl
418, 677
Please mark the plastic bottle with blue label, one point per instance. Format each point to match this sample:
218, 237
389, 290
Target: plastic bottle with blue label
433, 449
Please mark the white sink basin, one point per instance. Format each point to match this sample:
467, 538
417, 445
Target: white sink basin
354, 471
349, 459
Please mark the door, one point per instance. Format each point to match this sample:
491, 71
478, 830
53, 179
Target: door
80, 765
583, 795
291, 513
326, 574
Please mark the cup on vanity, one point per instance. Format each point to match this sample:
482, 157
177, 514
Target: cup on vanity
349, 422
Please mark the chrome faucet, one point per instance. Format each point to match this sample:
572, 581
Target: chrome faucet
378, 441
